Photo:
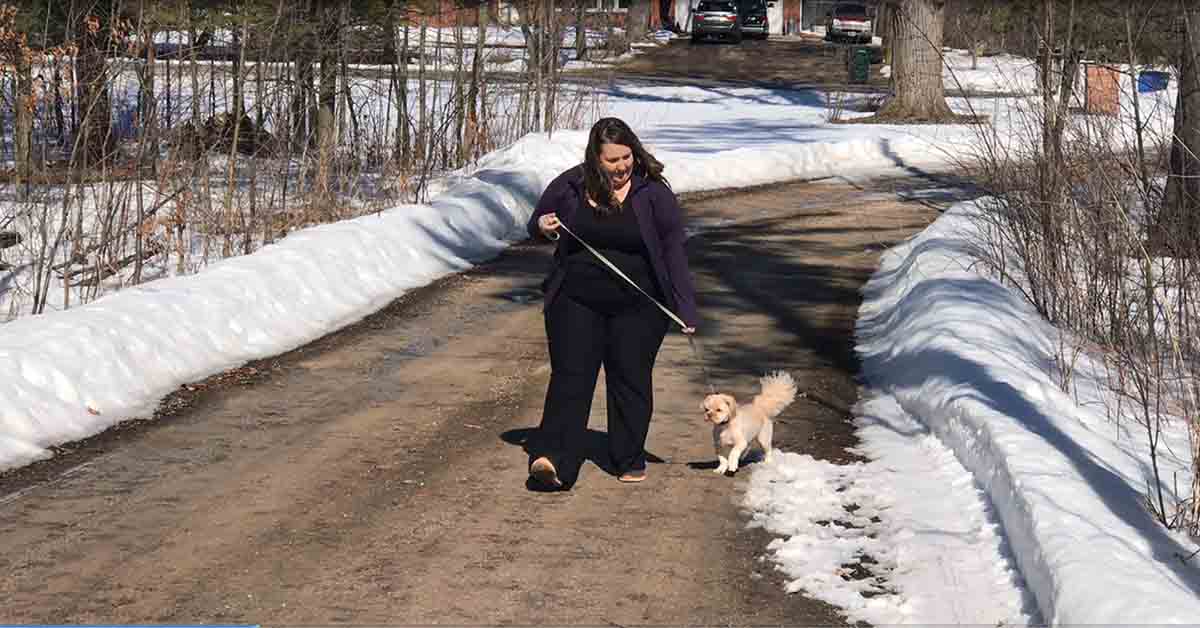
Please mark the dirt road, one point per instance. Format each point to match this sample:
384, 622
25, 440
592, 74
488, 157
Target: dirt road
377, 476
777, 62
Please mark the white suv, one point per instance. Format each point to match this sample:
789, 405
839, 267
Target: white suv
848, 21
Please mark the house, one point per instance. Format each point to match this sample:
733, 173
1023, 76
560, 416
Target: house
784, 16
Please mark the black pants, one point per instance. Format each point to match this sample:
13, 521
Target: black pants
625, 337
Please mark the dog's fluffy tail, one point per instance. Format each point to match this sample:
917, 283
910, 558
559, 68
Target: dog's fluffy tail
778, 392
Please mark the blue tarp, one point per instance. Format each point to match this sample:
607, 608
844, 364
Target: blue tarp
1153, 80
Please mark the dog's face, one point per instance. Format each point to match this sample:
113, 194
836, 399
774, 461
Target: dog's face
719, 409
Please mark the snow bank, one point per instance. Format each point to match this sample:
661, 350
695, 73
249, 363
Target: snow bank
71, 374
972, 362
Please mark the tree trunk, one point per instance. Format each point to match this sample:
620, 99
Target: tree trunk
148, 124
301, 96
1131, 49
96, 109
238, 80
1045, 65
1183, 185
194, 56
60, 117
231, 168
883, 23
553, 44
483, 132
531, 28
345, 105
472, 140
580, 29
918, 93
23, 131
326, 26
260, 97
302, 118
422, 114
169, 84
327, 100
403, 119
435, 130
460, 92
1066, 87
212, 88
637, 20
347, 119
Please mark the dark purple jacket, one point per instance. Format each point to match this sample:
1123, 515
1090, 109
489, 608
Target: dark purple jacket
660, 220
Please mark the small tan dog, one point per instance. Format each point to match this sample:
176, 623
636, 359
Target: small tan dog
736, 426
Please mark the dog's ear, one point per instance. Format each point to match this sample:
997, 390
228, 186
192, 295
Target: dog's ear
730, 402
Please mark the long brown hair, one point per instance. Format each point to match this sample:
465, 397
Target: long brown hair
599, 189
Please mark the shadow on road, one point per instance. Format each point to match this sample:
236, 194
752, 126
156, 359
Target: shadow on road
594, 450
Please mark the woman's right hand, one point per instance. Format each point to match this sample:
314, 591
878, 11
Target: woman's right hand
549, 224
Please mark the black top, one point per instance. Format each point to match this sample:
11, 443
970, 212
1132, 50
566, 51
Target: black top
619, 238
662, 224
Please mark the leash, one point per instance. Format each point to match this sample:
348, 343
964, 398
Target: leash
703, 365
682, 325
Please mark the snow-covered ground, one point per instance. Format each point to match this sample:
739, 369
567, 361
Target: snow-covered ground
781, 134
505, 45
988, 496
156, 336
911, 516
953, 358
496, 34
370, 84
1003, 73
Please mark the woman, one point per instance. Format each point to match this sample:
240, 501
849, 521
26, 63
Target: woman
619, 203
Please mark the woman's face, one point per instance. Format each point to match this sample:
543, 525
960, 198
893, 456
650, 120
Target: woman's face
616, 160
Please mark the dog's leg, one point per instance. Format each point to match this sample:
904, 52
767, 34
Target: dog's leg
724, 466
735, 455
723, 462
764, 440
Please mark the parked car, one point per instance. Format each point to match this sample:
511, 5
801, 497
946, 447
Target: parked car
848, 21
717, 18
754, 18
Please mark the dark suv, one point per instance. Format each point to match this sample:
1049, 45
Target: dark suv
717, 18
754, 18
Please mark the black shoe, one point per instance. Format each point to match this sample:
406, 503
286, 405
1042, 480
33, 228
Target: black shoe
543, 471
